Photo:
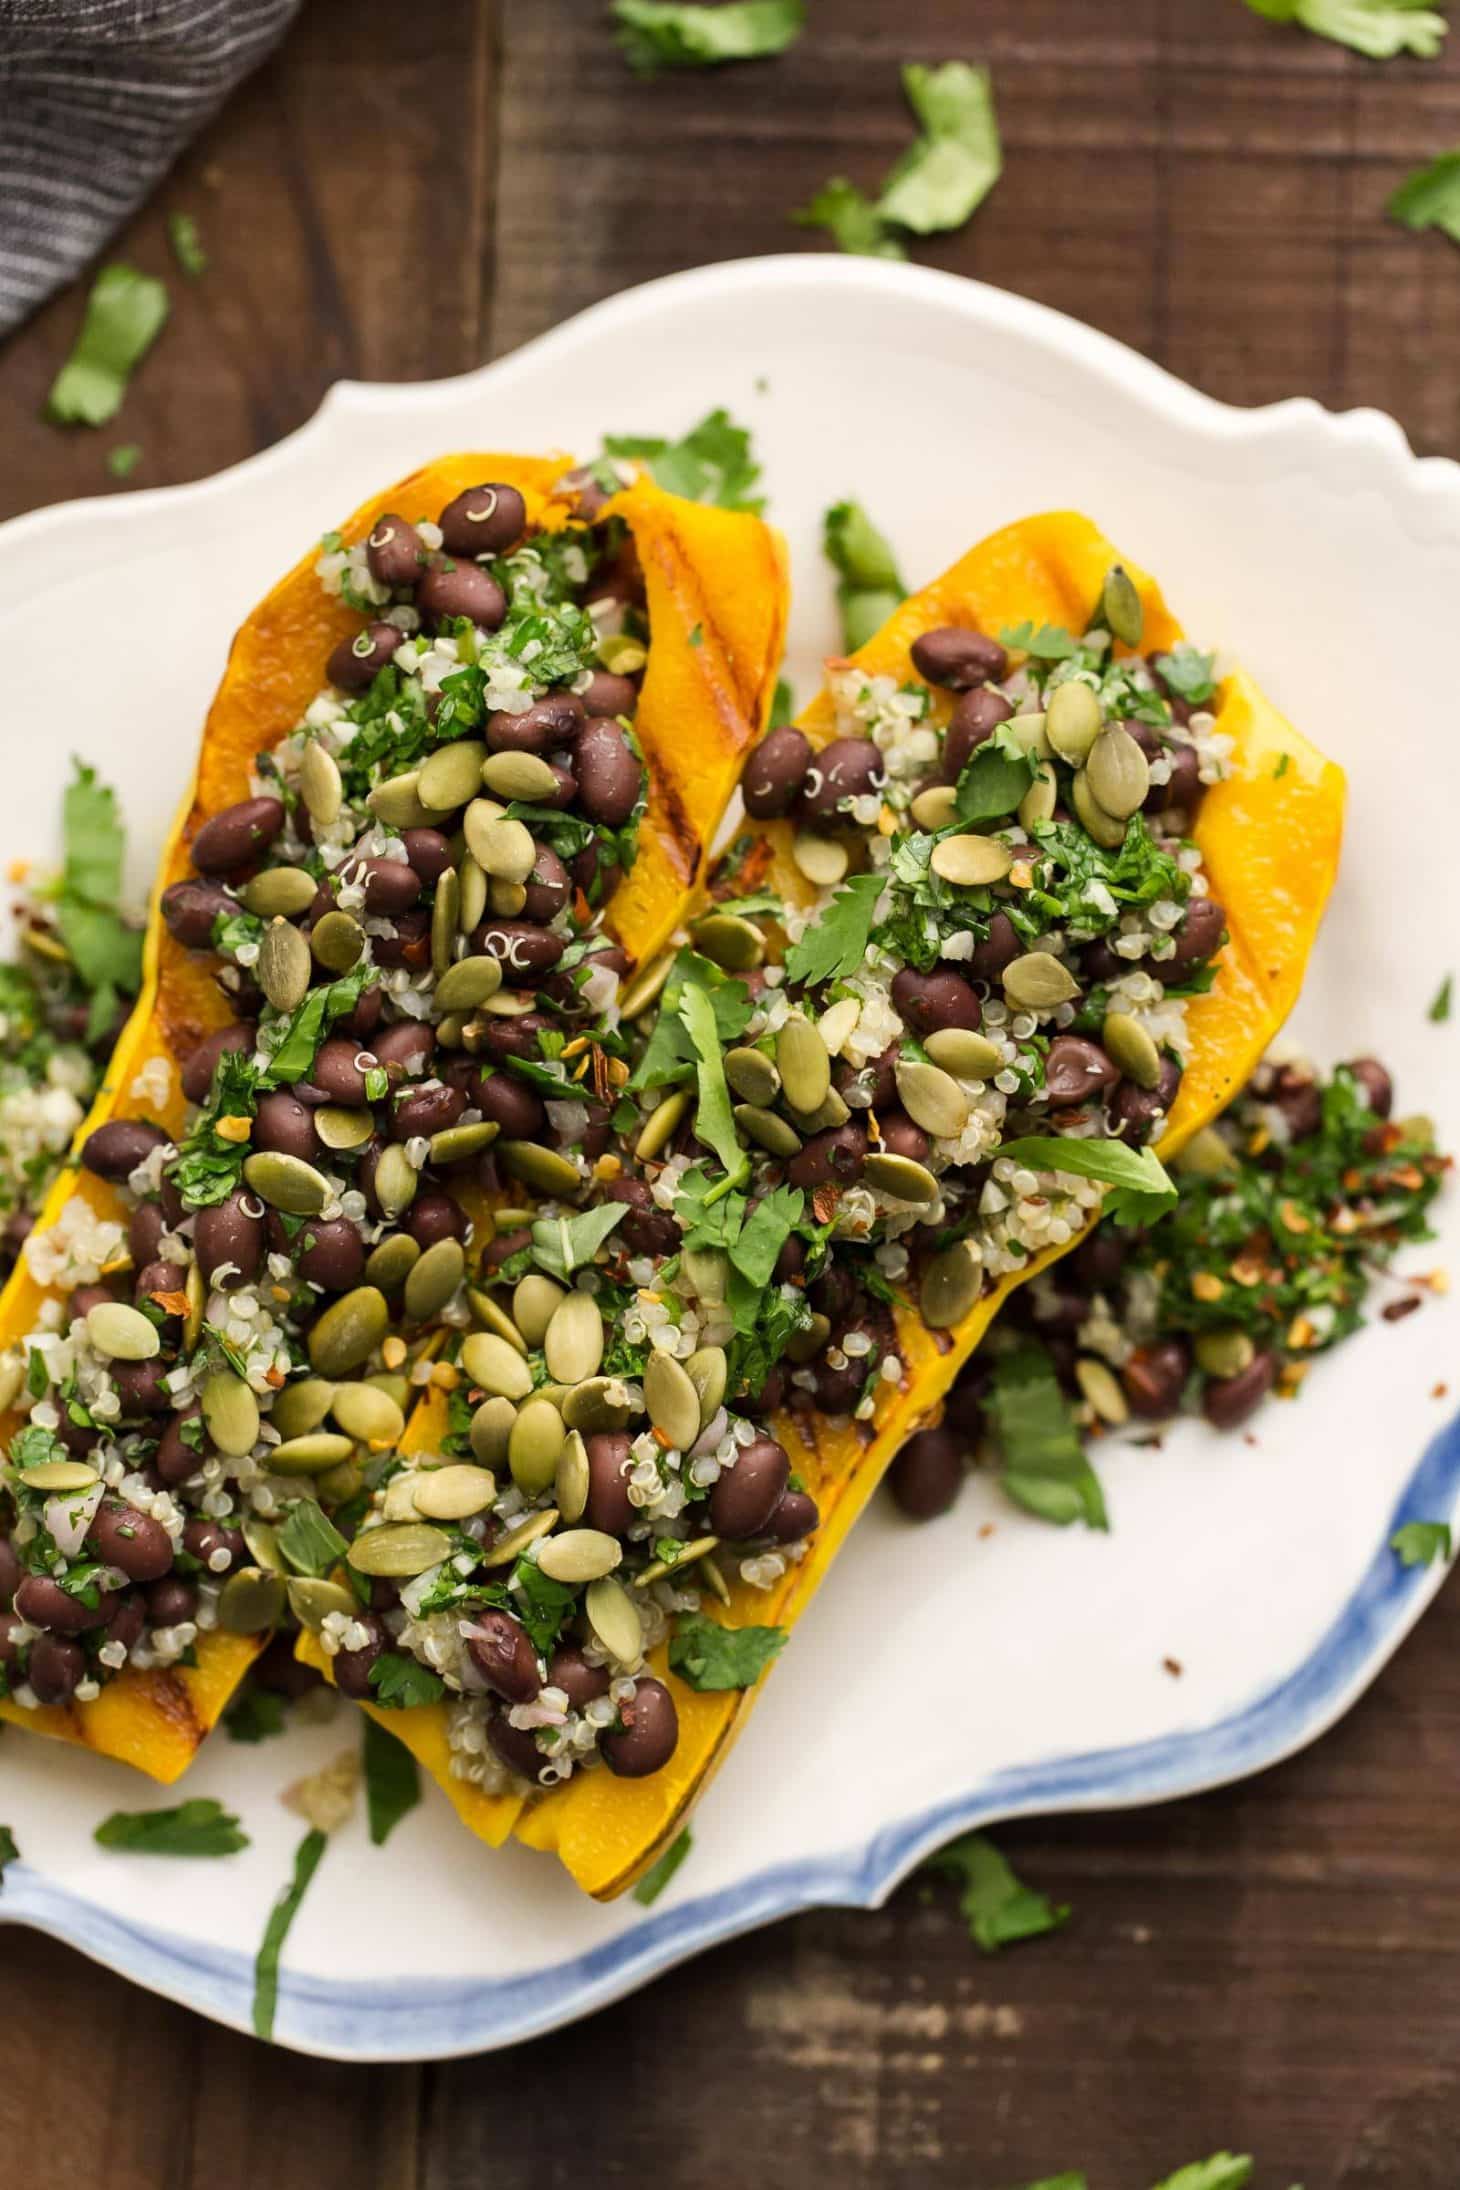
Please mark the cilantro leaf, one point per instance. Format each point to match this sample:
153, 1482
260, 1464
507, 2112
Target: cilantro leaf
995, 777
869, 585
1439, 1010
561, 1245
949, 170
1421, 1543
1189, 674
711, 463
123, 460
708, 1657
105, 952
309, 1540
1223, 2171
199, 1827
125, 313
998, 1909
1144, 1190
541, 1604
276, 1931
401, 1683
658, 1875
1045, 1468
657, 34
669, 1056
292, 1043
9, 1853
255, 1714
765, 1232
714, 1119
1047, 642
209, 1167
852, 219
836, 943
783, 704
392, 1781
1378, 28
187, 245
1430, 197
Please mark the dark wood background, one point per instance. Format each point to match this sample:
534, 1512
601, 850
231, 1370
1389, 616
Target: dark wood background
1273, 1968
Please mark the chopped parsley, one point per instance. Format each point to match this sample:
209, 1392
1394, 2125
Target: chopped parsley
125, 313
713, 462
402, 1684
997, 1907
709, 1657
201, 1827
1045, 1467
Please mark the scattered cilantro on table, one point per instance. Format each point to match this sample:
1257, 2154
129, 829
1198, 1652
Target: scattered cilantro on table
942, 178
125, 313
658, 34
187, 245
998, 1908
852, 221
1439, 1010
1379, 29
123, 460
1430, 197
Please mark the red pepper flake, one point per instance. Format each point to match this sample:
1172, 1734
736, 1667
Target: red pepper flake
987, 1529
1173, 1667
824, 1201
1396, 1310
1439, 1391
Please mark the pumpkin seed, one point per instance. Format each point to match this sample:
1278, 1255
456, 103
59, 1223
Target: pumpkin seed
709, 1573
519, 776
338, 1127
300, 1408
445, 913
1039, 801
707, 1273
433, 1279
397, 802
472, 893
752, 1076
287, 1183
533, 1445
262, 1543
250, 1601
348, 1331
613, 1618
937, 807
599, 1403
971, 861
1107, 832
1038, 981
456, 1142
368, 1414
121, 1333
729, 941
1120, 609
491, 1427
1224, 1353
312, 1599
506, 850
454, 1493
59, 1475
535, 1301
1206, 1155
572, 1481
830, 1111
396, 1180
820, 858
709, 1372
508, 1004
399, 1502
932, 1098
320, 786
280, 892
311, 1454
1072, 720
451, 776
505, 899
391, 1263
574, 1340
399, 1550
661, 1125
639, 993
1101, 1387
337, 1486
195, 1292
698, 1547
542, 1168
580, 1555
491, 1317
337, 940
467, 984
1032, 733
836, 1025
805, 1345
671, 1400
901, 1176
951, 1284
1118, 773
624, 655
803, 1064
509, 1547
393, 1384
1127, 1044
509, 1218
967, 1056
494, 1366
768, 1131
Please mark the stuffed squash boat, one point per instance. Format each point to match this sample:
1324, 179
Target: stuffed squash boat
473, 753
1024, 895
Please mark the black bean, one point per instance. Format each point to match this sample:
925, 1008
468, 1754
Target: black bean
411, 943
1076, 1070
795, 1517
355, 662
127, 1622
650, 1733
608, 1506
10, 1573
834, 1293
330, 1253
583, 490
197, 1071
391, 885
171, 1601
927, 1474
619, 577
791, 1260
1375, 1084
1183, 788
526, 952
607, 694
394, 551
1198, 937
485, 520
1098, 1261
448, 590
833, 1158
555, 720
189, 912
133, 1541
1135, 1110
142, 1388
609, 779
837, 1390
775, 773
435, 1216
145, 1230
930, 1001
999, 948
548, 887
429, 853
1228, 1400
426, 1110
285, 1126
504, 1656
1297, 1095
351, 1668
1153, 1378
504, 1247
55, 1669
365, 1018
343, 1080
958, 658
114, 1150
847, 768
517, 1037
974, 718
154, 1278
235, 838
176, 1459
515, 1746
647, 1229
746, 1495
900, 1137
45, 1604
205, 1538
231, 1231
511, 1104
580, 1682
87, 1297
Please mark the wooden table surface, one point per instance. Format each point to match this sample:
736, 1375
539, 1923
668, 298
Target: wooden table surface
1270, 1968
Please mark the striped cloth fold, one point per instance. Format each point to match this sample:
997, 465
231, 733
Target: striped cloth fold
97, 98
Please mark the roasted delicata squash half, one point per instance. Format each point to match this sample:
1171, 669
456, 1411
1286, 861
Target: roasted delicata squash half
1018, 905
467, 760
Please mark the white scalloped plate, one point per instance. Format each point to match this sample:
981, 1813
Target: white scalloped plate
1024, 1669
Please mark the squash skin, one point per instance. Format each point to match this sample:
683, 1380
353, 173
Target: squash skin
1270, 844
717, 592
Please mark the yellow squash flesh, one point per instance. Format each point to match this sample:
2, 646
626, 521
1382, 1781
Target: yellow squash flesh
1269, 836
716, 590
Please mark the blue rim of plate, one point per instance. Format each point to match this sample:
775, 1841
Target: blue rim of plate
432, 2019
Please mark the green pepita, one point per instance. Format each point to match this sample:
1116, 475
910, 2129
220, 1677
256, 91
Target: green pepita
580, 1555
768, 1131
729, 941
901, 1176
671, 1400
622, 653
348, 1331
312, 1454
398, 1551
541, 1168
284, 966
709, 1371
1039, 801
822, 859
1101, 1387
1038, 981
491, 1427
312, 1599
533, 1446
505, 899
1072, 721
195, 1292
509, 1547
1120, 609
752, 1076
572, 1480
280, 892
434, 1279
337, 940
519, 776
950, 1285
261, 1540
614, 1620
968, 1056
337, 1486
574, 1340
600, 1403
835, 1026
932, 1098
830, 1111
340, 1128
506, 850
122, 1333
12, 1379
1224, 1353
1031, 732
1118, 773
661, 1125
1127, 1044
645, 986
451, 776
1107, 831
490, 1316
391, 1263
535, 1301
445, 916
937, 807
397, 802
250, 1601
1206, 1155
286, 1182
396, 1180
301, 1407
59, 1475
320, 786
803, 1064
472, 893
686, 1555
469, 982
455, 1143
706, 1271
971, 861
806, 1344
368, 1414
454, 1493
495, 1367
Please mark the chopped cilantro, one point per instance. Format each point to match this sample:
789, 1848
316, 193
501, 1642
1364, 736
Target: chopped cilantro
656, 34
1047, 643
1421, 1543
9, 1853
255, 1714
1439, 1010
125, 313
401, 1683
1187, 673
714, 1118
1144, 1189
187, 245
948, 171
201, 1827
392, 1781
998, 1908
540, 1603
709, 1657
869, 583
209, 1167
836, 944
123, 460
561, 1245
852, 219
994, 779
1378, 28
713, 462
1430, 197
309, 1540
106, 953
1223, 2171
276, 1931
658, 1875
1045, 1468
